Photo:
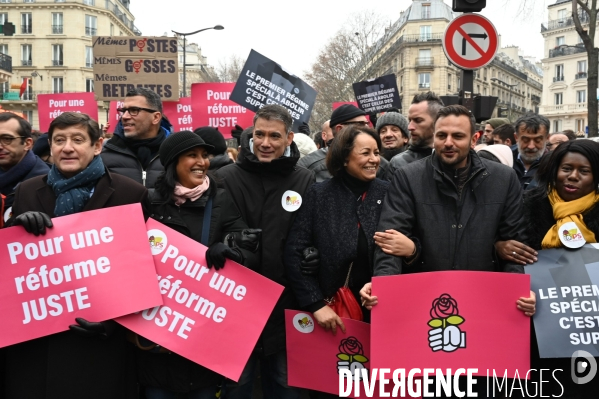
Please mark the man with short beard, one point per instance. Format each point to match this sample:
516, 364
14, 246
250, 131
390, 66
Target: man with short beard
531, 136
392, 127
421, 115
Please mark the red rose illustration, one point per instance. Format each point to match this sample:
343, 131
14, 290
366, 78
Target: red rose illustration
444, 306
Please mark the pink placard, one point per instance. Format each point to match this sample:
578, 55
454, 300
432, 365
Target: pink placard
113, 116
454, 319
213, 318
211, 107
179, 114
51, 105
95, 265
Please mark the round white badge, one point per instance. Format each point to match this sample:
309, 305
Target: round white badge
303, 323
291, 201
157, 240
570, 235
7, 214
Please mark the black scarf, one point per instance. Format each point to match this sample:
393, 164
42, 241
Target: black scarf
423, 150
145, 149
356, 186
10, 178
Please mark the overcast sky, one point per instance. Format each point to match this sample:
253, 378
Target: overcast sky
293, 33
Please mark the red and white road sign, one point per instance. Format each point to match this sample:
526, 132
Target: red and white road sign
470, 41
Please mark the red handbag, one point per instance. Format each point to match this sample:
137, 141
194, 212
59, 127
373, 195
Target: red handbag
344, 302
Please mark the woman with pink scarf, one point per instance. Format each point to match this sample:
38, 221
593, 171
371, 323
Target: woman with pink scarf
188, 200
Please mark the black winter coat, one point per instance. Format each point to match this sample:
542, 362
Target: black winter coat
168, 370
257, 189
408, 156
328, 220
526, 177
454, 233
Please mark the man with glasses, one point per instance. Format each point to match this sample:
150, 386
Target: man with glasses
133, 150
531, 137
556, 139
17, 162
345, 115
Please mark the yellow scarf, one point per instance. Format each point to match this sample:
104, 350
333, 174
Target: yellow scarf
571, 211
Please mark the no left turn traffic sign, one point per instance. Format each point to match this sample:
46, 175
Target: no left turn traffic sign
470, 41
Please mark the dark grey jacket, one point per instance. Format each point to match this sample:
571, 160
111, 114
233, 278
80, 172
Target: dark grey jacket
316, 162
408, 156
454, 233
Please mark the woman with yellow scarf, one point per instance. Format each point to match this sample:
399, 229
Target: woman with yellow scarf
565, 200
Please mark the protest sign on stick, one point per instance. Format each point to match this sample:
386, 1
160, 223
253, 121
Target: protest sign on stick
377, 95
52, 105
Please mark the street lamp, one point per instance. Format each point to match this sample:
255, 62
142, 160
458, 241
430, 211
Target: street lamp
511, 88
216, 27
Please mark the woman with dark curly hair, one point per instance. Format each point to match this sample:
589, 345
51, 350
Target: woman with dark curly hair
568, 191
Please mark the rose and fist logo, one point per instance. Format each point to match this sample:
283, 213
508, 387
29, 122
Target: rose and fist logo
445, 319
351, 356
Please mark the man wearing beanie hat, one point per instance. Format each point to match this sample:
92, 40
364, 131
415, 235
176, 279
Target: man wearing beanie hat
393, 129
218, 155
267, 187
491, 125
347, 114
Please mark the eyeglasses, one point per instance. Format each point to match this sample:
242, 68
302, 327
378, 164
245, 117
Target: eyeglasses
361, 123
134, 111
7, 140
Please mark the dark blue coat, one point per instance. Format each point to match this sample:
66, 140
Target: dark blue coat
328, 220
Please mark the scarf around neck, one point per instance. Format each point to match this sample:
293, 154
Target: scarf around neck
145, 148
10, 178
182, 193
569, 211
73, 193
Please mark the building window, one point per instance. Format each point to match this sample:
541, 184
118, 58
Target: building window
581, 96
560, 40
111, 30
91, 25
4, 49
580, 126
28, 1
3, 18
89, 56
557, 126
426, 11
89, 2
478, 89
581, 66
5, 1
425, 33
401, 83
89, 85
57, 58
28, 93
28, 115
484, 91
559, 98
26, 22
57, 23
459, 83
559, 73
448, 81
26, 54
424, 80
57, 85
561, 14
59, 1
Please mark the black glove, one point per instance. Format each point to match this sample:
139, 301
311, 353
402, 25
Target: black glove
236, 133
34, 222
304, 128
86, 328
250, 239
373, 119
311, 262
217, 252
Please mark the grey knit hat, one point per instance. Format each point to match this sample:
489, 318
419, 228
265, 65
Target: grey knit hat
395, 119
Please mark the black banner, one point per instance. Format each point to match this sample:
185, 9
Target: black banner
566, 283
377, 95
263, 82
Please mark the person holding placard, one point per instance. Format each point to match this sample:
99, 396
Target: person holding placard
564, 200
92, 359
188, 200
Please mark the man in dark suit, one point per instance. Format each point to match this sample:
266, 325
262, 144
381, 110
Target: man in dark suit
91, 360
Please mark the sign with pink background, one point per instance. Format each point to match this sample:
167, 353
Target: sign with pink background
454, 319
113, 116
213, 318
179, 114
211, 106
49, 106
95, 265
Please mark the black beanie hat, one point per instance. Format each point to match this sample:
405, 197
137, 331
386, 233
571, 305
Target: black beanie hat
213, 137
345, 113
41, 146
176, 143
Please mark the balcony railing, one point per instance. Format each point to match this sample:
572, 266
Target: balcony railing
424, 85
89, 64
558, 78
577, 107
26, 29
6, 62
90, 31
56, 62
57, 29
534, 98
425, 61
424, 37
581, 75
26, 63
566, 50
564, 22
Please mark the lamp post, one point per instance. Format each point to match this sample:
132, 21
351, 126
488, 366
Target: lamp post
511, 89
216, 27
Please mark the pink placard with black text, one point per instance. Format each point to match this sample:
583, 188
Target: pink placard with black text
50, 106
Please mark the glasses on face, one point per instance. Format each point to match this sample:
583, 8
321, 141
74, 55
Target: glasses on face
134, 111
7, 140
60, 141
361, 123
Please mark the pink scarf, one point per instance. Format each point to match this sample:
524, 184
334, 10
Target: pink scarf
182, 193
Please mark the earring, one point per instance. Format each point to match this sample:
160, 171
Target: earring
345, 164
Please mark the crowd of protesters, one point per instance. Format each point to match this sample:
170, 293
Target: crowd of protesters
381, 196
